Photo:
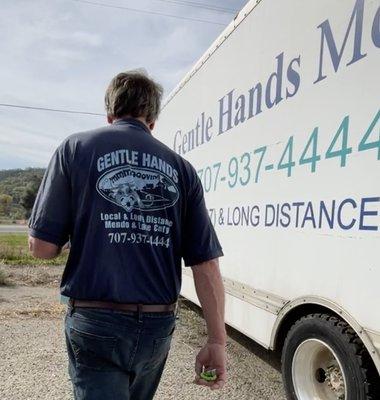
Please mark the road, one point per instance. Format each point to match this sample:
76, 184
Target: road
13, 228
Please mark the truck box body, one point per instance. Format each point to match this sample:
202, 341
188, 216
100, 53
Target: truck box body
281, 120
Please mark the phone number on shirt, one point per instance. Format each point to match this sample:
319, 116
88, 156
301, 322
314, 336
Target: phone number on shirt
125, 237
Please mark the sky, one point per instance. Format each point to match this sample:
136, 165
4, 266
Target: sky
61, 54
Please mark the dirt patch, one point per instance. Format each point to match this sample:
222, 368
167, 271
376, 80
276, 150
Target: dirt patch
33, 364
30, 302
27, 275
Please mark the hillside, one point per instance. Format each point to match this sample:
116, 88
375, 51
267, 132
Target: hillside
17, 187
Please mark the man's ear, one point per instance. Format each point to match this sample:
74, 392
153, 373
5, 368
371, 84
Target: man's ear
152, 125
110, 118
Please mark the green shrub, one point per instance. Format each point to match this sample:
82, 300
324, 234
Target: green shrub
3, 278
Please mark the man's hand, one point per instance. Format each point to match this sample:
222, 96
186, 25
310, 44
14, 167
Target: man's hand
210, 290
211, 356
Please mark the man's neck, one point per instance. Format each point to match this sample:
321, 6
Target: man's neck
141, 119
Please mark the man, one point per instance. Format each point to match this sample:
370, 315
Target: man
132, 209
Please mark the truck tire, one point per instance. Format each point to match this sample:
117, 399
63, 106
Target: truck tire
324, 359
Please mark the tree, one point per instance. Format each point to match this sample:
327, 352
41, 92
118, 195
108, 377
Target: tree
29, 196
5, 204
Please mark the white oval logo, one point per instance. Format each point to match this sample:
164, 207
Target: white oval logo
143, 189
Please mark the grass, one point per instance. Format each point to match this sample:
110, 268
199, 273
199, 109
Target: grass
14, 251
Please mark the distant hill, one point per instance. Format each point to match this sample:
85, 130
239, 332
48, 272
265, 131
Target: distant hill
16, 183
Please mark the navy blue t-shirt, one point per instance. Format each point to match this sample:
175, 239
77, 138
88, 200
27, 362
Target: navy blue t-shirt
132, 209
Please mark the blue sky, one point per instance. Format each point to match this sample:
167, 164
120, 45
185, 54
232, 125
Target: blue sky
63, 53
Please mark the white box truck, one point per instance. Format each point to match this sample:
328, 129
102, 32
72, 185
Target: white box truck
281, 119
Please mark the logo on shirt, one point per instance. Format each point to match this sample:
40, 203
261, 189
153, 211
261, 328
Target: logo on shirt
135, 188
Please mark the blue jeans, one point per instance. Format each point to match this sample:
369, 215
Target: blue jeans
117, 355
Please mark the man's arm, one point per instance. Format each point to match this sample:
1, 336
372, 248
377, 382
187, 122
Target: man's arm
50, 220
200, 251
210, 291
42, 249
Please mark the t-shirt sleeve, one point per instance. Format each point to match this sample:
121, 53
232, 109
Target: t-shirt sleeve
51, 214
200, 240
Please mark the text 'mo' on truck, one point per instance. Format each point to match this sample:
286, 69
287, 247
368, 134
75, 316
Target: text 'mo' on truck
281, 119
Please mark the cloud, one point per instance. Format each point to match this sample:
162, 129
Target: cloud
62, 54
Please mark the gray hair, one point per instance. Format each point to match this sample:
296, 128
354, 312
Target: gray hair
135, 94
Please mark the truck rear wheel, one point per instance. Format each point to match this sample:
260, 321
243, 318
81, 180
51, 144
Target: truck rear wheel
324, 359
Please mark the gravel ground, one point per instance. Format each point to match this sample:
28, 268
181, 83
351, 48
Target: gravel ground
33, 359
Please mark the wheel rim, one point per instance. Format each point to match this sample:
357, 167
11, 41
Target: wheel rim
317, 372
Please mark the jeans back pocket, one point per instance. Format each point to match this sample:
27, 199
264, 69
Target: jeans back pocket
161, 347
93, 350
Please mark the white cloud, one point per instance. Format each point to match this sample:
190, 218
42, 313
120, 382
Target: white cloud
87, 38
62, 54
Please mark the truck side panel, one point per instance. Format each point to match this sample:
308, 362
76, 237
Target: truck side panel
282, 123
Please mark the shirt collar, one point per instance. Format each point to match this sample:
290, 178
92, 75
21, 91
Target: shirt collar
132, 121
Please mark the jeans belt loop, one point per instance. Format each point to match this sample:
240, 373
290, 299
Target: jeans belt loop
139, 312
71, 307
176, 310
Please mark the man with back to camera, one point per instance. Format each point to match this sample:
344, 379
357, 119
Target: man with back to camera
132, 209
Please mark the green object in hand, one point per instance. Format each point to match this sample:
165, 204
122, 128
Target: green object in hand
209, 375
